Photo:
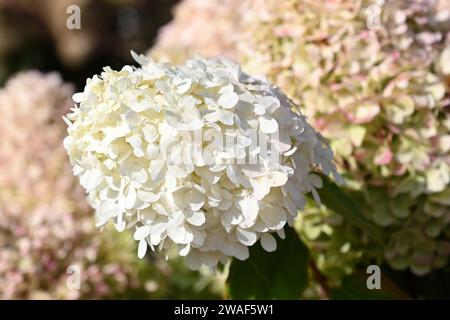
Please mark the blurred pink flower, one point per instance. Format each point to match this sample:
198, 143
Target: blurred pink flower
45, 223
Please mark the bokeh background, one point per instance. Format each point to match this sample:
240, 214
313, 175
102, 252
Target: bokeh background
373, 76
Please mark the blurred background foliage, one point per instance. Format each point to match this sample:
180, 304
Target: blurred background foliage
34, 35
380, 95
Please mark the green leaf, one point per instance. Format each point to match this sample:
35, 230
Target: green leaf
282, 274
334, 198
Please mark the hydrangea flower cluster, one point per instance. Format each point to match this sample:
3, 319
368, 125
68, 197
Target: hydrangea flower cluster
377, 87
148, 146
375, 94
45, 223
219, 40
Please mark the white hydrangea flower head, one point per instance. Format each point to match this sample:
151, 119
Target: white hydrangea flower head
129, 136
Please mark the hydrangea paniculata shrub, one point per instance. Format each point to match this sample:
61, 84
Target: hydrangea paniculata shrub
168, 151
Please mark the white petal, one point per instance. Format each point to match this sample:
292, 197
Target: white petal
189, 236
261, 187
193, 261
150, 133
157, 170
135, 141
269, 103
290, 152
142, 249
141, 233
316, 196
78, 97
129, 198
140, 106
225, 204
281, 234
91, 179
152, 151
260, 226
232, 216
139, 175
157, 227
184, 251
214, 240
228, 100
148, 196
224, 116
139, 58
155, 238
147, 215
180, 234
277, 179
199, 237
120, 225
232, 249
290, 205
196, 200
268, 242
107, 209
259, 109
246, 237
315, 180
268, 124
196, 218
138, 152
250, 208
274, 217
182, 85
